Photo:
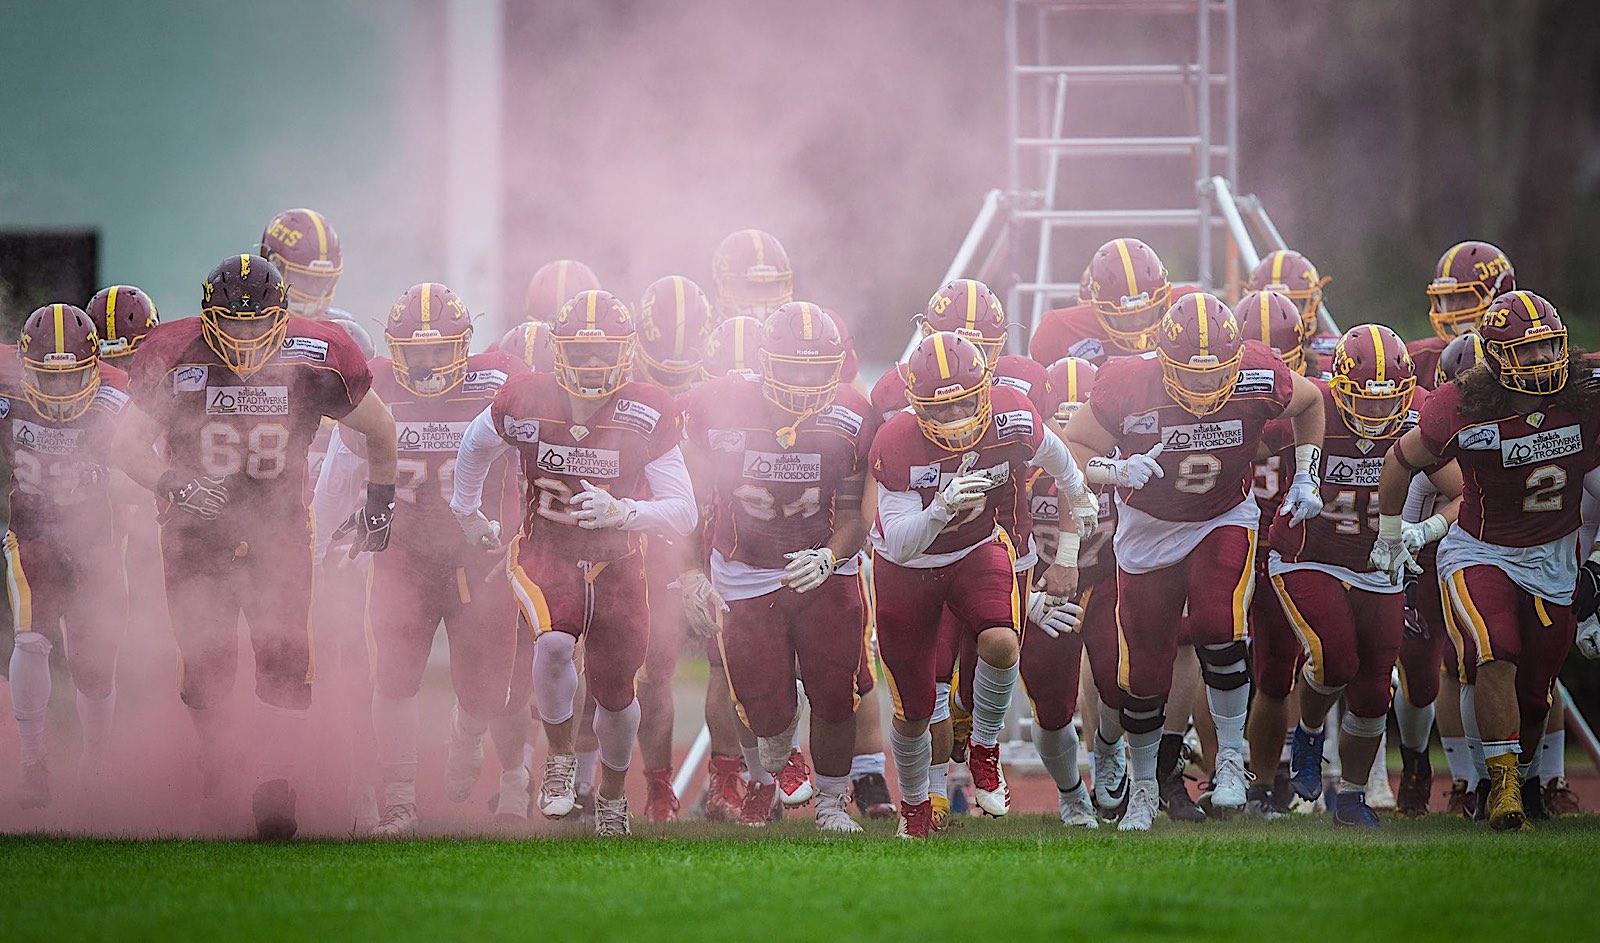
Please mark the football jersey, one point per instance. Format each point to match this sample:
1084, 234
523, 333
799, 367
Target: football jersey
1425, 354
1095, 560
904, 459
635, 426
1209, 462
428, 431
1523, 474
1273, 473
60, 471
254, 432
1343, 534
1077, 332
770, 499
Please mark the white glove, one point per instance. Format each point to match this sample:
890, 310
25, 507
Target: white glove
1053, 614
1133, 472
598, 509
702, 606
962, 493
808, 569
1417, 536
1303, 501
479, 530
1085, 512
1389, 554
1589, 638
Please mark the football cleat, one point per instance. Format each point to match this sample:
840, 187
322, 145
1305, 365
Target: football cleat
941, 812
1258, 804
273, 807
33, 792
1559, 800
1533, 800
916, 821
1506, 813
1350, 808
463, 761
558, 792
871, 794
512, 808
1461, 799
1142, 804
794, 781
1171, 789
363, 809
1110, 777
760, 804
1416, 782
1228, 781
1380, 795
611, 817
661, 803
833, 815
989, 787
399, 821
724, 788
1076, 808
1480, 801
1305, 762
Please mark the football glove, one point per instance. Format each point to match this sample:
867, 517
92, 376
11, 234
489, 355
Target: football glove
1389, 554
1415, 627
961, 493
1589, 638
1085, 512
702, 605
203, 496
808, 569
1303, 501
367, 528
479, 530
1417, 536
598, 509
1586, 599
1133, 472
1052, 614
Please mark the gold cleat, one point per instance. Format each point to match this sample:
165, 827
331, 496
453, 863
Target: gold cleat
1505, 795
941, 812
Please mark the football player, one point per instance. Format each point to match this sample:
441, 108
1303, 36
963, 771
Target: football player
123, 315
1290, 273
783, 462
1122, 295
233, 398
944, 471
1467, 279
64, 573
552, 286
1187, 537
529, 342
434, 388
1524, 437
593, 444
750, 273
302, 245
1349, 618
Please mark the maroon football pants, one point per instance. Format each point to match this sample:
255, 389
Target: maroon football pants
1351, 636
1497, 620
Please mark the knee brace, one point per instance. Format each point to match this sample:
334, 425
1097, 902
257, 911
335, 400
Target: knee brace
1370, 727
1225, 667
1143, 714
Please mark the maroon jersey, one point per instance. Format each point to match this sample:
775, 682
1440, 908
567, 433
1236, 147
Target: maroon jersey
610, 449
1273, 473
889, 393
903, 459
1343, 534
1027, 376
1425, 357
1523, 474
428, 431
772, 499
1095, 561
255, 433
1209, 462
60, 472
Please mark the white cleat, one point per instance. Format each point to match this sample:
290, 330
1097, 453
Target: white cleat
1380, 795
794, 781
463, 762
1228, 781
1076, 808
989, 789
558, 792
833, 815
511, 807
611, 817
1110, 776
399, 821
1141, 807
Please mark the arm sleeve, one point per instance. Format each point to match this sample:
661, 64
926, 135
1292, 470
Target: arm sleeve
339, 488
1057, 462
672, 508
1421, 498
481, 445
905, 527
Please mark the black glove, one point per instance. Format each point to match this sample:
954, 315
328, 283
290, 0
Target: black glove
1587, 599
1415, 627
367, 528
204, 496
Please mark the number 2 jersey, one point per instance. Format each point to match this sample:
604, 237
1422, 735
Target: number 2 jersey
60, 471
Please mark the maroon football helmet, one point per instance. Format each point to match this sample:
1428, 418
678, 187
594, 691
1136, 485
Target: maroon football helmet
303, 247
123, 315
530, 343
1071, 380
967, 307
428, 332
243, 317
1200, 350
801, 358
732, 347
674, 321
1273, 319
1373, 381
947, 385
1525, 343
1289, 273
750, 271
60, 353
1129, 289
1468, 278
553, 285
592, 344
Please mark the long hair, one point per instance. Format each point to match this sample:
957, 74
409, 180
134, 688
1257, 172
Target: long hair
1483, 397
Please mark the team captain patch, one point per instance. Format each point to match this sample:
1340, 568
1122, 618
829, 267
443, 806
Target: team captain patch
631, 412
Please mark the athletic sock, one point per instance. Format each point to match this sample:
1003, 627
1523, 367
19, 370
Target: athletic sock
30, 691
1058, 751
1110, 723
1458, 756
1142, 748
753, 771
394, 724
1415, 724
912, 756
863, 764
96, 716
832, 785
588, 762
1553, 756
991, 699
616, 731
938, 779
280, 731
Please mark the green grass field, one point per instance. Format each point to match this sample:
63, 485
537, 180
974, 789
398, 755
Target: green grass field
989, 881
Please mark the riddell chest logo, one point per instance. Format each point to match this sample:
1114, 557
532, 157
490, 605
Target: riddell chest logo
248, 401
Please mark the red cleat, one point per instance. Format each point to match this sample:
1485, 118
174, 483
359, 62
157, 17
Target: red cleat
988, 781
916, 821
760, 804
794, 780
724, 788
661, 803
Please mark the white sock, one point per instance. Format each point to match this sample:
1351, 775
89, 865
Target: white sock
394, 725
616, 731
30, 691
588, 761
864, 763
280, 731
991, 699
1380, 762
1142, 749
799, 705
832, 785
1414, 722
468, 726
527, 760
400, 792
96, 717
1110, 723
1553, 756
555, 676
938, 779
753, 770
912, 757
1058, 751
1469, 726
1456, 754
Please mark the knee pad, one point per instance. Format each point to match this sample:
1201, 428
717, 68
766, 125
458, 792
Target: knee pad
941, 703
1370, 727
33, 644
1143, 714
1225, 667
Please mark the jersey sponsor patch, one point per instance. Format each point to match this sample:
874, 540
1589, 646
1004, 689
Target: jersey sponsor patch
783, 466
1203, 436
631, 412
248, 401
1143, 424
1541, 446
1016, 383
1045, 507
1356, 472
521, 430
44, 440
924, 476
189, 379
110, 399
1254, 381
483, 381
725, 440
429, 436
1089, 349
314, 349
839, 417
5, 407
1016, 422
578, 461
1478, 438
